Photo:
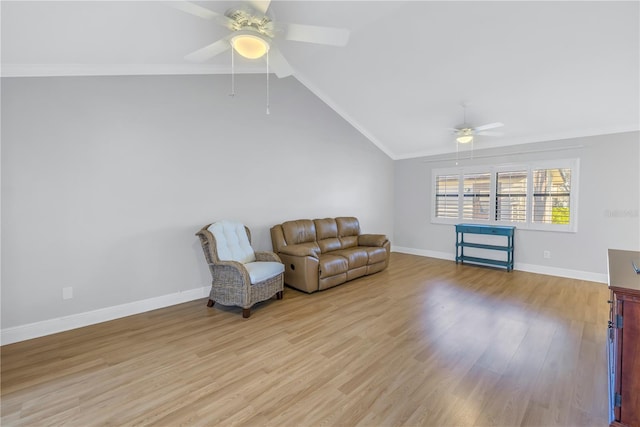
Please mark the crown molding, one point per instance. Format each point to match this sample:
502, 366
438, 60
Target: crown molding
60, 70
342, 113
508, 142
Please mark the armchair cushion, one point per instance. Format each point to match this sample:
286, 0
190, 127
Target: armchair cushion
263, 270
232, 243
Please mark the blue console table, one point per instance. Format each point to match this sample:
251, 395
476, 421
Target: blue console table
495, 230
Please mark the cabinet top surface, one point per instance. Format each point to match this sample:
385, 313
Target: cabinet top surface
621, 271
499, 227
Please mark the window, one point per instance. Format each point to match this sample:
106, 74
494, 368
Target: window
540, 195
447, 196
511, 196
476, 196
551, 196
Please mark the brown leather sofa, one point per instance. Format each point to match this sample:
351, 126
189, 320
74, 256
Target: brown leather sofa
322, 253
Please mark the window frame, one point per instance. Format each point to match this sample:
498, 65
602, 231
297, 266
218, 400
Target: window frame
573, 164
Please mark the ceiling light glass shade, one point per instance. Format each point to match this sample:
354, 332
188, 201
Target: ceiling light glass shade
250, 45
464, 136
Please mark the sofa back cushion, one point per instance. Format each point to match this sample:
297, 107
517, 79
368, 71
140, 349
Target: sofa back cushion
299, 231
232, 242
327, 234
348, 231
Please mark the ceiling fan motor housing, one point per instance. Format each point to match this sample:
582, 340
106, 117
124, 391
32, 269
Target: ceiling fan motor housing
248, 20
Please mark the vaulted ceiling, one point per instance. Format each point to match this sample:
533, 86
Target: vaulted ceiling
546, 69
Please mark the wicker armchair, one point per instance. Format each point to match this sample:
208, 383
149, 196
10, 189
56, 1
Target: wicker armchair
241, 276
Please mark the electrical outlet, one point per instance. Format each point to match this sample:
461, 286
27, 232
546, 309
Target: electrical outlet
67, 293
547, 254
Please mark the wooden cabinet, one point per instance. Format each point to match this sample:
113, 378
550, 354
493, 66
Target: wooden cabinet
624, 339
494, 230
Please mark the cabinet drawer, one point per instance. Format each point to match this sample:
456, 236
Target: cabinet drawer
485, 229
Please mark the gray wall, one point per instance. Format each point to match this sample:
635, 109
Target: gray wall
105, 180
608, 203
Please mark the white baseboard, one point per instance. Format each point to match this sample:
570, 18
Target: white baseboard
562, 272
61, 324
531, 268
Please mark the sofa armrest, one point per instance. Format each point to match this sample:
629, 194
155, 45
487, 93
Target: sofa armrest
267, 256
372, 240
303, 249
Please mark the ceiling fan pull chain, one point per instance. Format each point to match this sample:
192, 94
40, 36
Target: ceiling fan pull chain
233, 77
268, 112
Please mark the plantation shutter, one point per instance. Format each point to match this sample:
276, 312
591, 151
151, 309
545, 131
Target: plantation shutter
551, 196
477, 193
447, 187
511, 196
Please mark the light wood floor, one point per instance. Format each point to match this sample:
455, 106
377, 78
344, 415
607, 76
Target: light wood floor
425, 342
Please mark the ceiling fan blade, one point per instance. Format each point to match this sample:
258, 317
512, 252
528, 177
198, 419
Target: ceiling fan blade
279, 64
261, 5
202, 12
319, 35
209, 51
489, 126
485, 133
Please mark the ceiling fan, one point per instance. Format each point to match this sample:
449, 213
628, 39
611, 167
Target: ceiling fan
253, 31
465, 133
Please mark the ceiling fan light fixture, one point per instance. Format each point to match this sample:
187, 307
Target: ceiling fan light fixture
250, 45
465, 136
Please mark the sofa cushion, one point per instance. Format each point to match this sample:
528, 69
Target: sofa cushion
348, 226
232, 242
330, 282
327, 234
326, 228
299, 231
376, 254
261, 271
374, 268
328, 245
349, 242
331, 265
348, 231
356, 257
357, 272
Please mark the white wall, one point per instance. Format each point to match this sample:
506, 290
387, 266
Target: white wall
609, 200
105, 180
